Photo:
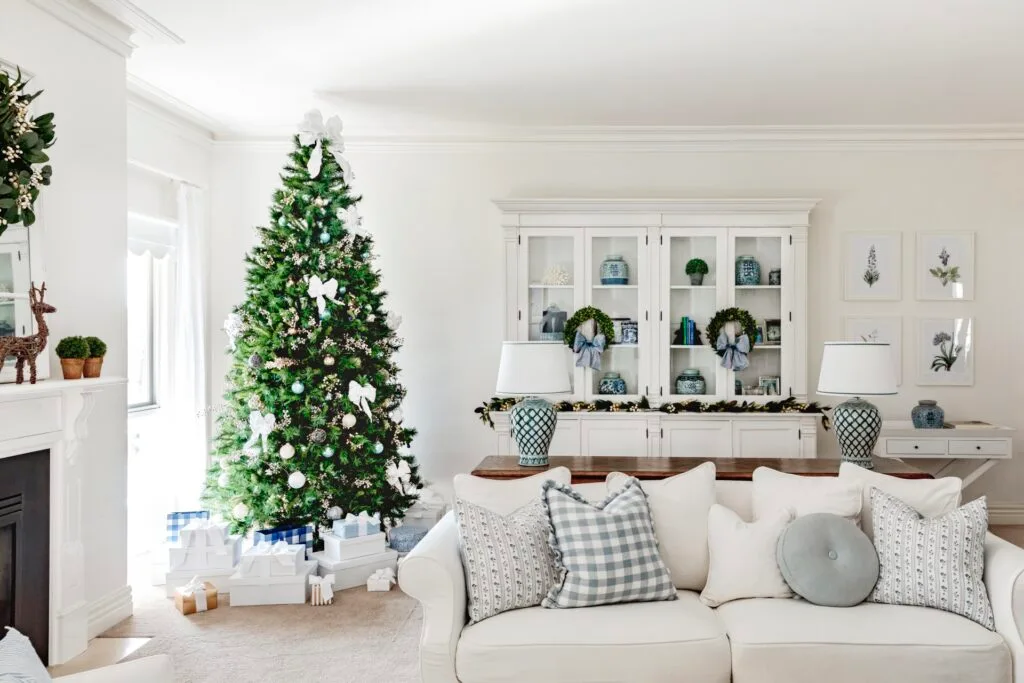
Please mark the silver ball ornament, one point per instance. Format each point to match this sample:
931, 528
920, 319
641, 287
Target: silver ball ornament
349, 421
240, 511
298, 387
334, 512
378, 448
287, 451
296, 480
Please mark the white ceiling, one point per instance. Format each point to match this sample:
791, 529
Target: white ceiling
413, 65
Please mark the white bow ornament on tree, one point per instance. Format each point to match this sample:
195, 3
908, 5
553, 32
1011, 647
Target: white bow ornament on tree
261, 426
362, 396
394, 320
353, 221
233, 326
321, 291
398, 474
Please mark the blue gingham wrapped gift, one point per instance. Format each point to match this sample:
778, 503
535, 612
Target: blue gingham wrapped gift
176, 521
293, 535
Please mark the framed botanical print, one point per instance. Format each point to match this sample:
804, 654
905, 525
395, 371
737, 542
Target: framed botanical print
945, 351
888, 329
944, 269
872, 266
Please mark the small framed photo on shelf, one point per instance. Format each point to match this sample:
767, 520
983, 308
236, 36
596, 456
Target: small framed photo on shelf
872, 266
945, 351
945, 266
879, 328
769, 384
773, 331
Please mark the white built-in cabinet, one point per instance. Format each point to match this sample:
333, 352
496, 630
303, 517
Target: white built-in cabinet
656, 238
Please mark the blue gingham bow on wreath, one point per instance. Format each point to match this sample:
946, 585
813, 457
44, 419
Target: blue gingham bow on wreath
734, 354
588, 351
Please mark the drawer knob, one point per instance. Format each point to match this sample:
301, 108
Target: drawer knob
977, 448
916, 446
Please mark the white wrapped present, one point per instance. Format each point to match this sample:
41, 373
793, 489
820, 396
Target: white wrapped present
354, 526
381, 580
272, 590
203, 532
277, 559
354, 573
426, 511
202, 557
338, 548
220, 578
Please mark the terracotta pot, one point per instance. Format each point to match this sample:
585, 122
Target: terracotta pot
93, 367
72, 367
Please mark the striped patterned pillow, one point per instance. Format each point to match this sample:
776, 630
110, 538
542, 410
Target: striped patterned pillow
605, 553
932, 562
19, 661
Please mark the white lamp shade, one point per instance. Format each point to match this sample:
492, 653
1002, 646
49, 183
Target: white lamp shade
856, 369
533, 369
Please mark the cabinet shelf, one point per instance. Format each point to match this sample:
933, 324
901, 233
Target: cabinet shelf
758, 286
693, 287
623, 346
767, 346
689, 346
538, 286
614, 286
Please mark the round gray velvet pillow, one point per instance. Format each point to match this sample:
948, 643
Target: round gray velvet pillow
827, 560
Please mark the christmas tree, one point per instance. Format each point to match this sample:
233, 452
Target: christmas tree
313, 426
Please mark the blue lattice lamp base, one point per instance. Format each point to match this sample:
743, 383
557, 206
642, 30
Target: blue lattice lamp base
532, 423
857, 425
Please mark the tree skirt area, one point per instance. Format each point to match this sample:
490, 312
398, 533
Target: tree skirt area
362, 638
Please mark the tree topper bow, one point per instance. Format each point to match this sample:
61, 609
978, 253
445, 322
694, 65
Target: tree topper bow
261, 426
362, 396
312, 131
321, 291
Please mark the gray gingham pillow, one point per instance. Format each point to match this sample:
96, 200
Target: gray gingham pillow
605, 553
932, 562
507, 560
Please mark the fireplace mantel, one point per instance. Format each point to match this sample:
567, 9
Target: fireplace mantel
53, 415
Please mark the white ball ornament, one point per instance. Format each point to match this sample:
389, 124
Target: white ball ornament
349, 421
240, 511
223, 480
296, 480
334, 512
378, 448
397, 415
328, 361
287, 452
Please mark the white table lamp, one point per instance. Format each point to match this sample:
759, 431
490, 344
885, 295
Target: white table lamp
857, 369
533, 369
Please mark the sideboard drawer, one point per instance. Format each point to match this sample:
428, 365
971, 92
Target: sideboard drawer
978, 447
915, 446
29, 417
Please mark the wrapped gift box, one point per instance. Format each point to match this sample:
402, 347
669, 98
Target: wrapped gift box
404, 538
200, 558
426, 512
196, 596
353, 573
338, 548
289, 534
200, 533
381, 580
218, 577
278, 559
355, 526
176, 521
272, 590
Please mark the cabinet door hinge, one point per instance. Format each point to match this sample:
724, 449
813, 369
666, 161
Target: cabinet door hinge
19, 254
662, 430
791, 391
519, 315
647, 315
519, 239
661, 239
791, 316
647, 239
791, 239
799, 435
661, 315
661, 391
647, 389
647, 433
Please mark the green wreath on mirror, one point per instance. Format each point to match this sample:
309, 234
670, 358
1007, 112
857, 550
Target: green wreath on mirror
604, 325
23, 139
731, 315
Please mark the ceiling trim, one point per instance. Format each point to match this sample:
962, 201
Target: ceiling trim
734, 206
171, 109
142, 22
92, 21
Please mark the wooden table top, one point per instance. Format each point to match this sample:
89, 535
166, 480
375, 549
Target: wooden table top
589, 469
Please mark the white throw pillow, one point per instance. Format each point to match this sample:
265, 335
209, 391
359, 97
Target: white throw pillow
774, 490
505, 496
679, 509
929, 497
742, 553
19, 661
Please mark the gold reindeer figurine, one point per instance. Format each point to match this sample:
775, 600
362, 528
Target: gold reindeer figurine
29, 347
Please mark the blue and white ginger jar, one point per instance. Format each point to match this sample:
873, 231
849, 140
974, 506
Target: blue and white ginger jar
928, 415
612, 383
691, 382
748, 271
614, 271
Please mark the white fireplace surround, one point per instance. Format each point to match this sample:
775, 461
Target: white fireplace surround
53, 415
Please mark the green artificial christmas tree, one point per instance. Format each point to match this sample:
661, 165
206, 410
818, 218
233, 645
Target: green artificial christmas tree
313, 428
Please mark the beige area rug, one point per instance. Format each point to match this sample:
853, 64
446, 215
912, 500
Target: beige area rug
362, 638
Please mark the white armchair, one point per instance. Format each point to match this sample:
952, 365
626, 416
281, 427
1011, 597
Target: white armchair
155, 669
1004, 579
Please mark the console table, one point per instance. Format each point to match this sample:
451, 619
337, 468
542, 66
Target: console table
970, 450
591, 469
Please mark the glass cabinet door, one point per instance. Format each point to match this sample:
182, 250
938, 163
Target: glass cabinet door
759, 261
15, 313
689, 366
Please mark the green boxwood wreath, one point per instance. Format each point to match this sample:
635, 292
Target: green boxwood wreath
23, 139
728, 315
604, 324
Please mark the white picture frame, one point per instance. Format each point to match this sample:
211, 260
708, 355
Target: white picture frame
945, 351
872, 266
881, 328
944, 266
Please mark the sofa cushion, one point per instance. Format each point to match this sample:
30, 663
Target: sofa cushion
679, 509
774, 490
654, 642
792, 641
505, 496
743, 563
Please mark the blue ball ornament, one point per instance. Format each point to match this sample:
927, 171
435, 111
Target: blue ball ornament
341, 289
328, 452
378, 448
326, 315
298, 387
325, 237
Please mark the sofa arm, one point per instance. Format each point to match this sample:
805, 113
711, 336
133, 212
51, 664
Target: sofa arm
432, 573
1004, 579
155, 669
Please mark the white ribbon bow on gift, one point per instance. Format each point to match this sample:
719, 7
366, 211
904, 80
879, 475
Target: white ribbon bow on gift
326, 584
321, 291
385, 574
261, 426
362, 396
196, 589
312, 131
212, 533
280, 552
365, 521
353, 221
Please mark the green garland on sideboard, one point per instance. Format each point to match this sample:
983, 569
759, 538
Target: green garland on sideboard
786, 405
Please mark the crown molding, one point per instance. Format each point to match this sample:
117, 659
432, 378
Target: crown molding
675, 205
141, 22
187, 119
90, 20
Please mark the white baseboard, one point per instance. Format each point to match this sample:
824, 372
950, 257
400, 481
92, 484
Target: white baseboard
1005, 514
108, 611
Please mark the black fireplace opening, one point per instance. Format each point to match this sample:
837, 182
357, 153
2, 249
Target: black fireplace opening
25, 547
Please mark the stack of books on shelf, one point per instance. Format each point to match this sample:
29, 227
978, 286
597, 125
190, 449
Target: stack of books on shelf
688, 331
354, 550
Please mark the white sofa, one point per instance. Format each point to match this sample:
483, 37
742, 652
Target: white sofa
155, 669
745, 641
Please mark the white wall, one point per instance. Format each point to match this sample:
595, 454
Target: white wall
83, 221
440, 250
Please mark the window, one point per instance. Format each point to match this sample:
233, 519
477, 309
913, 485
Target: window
148, 288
